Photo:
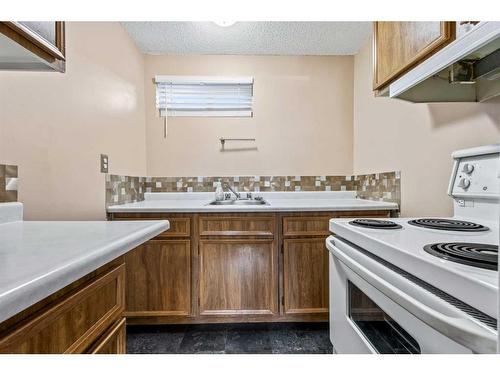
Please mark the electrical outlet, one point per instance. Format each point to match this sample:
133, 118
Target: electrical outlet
104, 163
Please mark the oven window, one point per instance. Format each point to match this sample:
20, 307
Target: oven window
383, 333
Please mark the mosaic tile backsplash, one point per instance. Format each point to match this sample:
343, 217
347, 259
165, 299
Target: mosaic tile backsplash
378, 186
8, 183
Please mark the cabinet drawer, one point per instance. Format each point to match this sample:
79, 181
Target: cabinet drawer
73, 323
354, 214
179, 226
306, 225
228, 225
318, 225
113, 341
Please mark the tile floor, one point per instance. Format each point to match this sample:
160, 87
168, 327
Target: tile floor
251, 338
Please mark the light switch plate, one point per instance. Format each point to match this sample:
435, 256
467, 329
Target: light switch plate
104, 163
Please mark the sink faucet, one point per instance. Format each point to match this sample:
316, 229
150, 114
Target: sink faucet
238, 195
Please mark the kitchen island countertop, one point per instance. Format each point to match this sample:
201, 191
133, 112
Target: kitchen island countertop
38, 258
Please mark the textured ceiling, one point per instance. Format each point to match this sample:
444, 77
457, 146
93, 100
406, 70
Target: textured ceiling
249, 38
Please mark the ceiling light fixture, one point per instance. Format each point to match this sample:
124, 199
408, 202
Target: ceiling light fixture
225, 23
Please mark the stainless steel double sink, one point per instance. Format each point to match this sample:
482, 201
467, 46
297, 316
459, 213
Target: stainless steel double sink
239, 202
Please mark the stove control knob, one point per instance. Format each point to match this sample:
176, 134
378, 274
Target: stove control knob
464, 183
467, 168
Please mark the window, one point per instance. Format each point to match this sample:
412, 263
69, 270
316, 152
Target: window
204, 96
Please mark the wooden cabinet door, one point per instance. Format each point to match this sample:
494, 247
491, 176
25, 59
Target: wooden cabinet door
158, 281
113, 342
238, 277
399, 46
305, 276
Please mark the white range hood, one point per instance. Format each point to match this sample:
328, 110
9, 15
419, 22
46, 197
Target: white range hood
466, 70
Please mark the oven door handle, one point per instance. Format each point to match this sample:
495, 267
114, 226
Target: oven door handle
464, 331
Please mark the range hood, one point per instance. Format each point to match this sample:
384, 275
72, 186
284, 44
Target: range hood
466, 70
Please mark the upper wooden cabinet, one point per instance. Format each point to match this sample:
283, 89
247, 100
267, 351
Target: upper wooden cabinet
33, 46
399, 46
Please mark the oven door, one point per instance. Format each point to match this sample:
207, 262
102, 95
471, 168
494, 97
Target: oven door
365, 319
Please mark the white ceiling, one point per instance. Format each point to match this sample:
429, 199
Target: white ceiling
249, 38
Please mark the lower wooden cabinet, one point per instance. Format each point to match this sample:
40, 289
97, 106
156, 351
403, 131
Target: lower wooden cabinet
238, 277
69, 323
228, 267
305, 276
158, 281
113, 341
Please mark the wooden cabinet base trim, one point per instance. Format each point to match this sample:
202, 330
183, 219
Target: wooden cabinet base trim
308, 311
155, 313
236, 312
319, 317
235, 233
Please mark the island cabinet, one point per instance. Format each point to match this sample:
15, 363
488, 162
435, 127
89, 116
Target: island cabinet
232, 267
84, 317
113, 341
400, 46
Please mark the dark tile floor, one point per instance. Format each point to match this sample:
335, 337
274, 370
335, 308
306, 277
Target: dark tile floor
251, 338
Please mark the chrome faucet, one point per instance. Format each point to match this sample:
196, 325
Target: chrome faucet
238, 195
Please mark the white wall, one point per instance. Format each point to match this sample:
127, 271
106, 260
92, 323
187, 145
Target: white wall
313, 116
54, 126
417, 139
302, 118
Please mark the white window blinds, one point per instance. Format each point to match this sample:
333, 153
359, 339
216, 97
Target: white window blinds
204, 96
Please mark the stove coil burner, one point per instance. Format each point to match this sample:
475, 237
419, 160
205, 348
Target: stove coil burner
449, 224
472, 254
375, 224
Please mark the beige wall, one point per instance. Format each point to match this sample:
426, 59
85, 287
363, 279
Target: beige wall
54, 126
416, 139
302, 118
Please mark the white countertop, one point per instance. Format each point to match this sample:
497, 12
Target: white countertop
278, 201
38, 258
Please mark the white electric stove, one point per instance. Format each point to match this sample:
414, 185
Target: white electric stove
421, 285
